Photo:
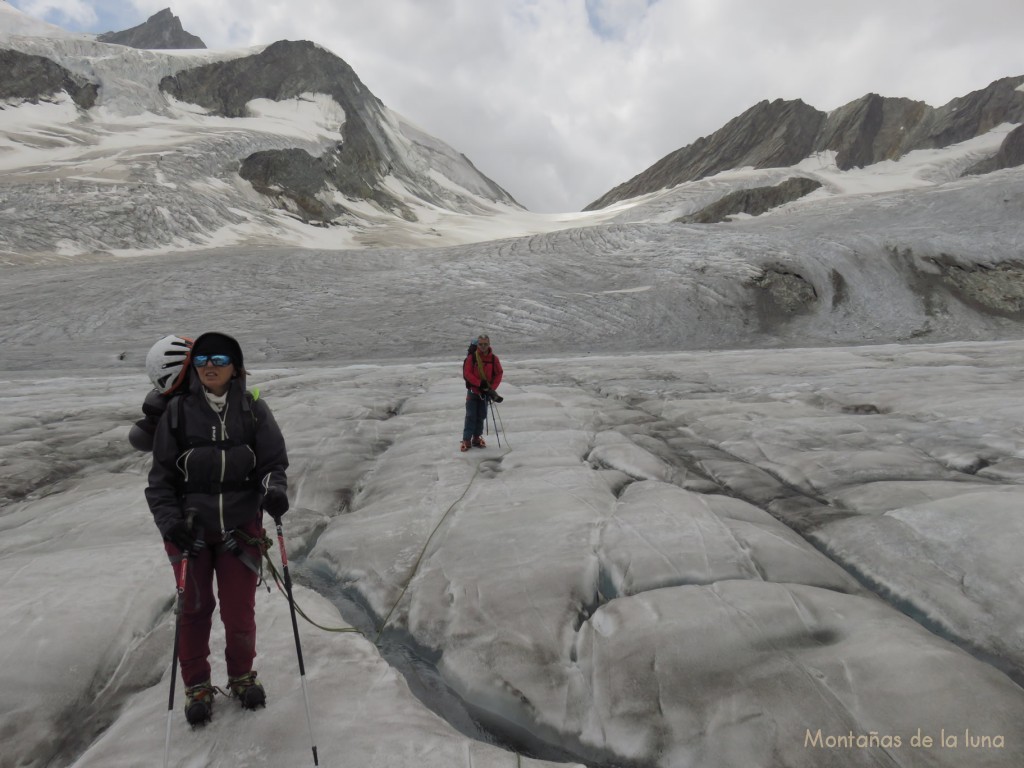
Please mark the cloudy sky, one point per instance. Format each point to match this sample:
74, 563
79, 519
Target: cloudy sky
560, 100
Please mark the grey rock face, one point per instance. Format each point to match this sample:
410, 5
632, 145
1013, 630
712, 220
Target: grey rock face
294, 175
32, 78
1010, 154
160, 31
753, 201
780, 294
976, 113
866, 131
994, 289
870, 130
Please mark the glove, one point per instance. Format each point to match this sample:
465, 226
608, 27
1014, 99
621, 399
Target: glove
484, 387
275, 501
180, 536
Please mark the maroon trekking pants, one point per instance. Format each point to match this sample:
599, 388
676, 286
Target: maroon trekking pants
236, 593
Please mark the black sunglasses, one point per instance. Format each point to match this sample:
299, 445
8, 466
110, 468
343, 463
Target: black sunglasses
218, 360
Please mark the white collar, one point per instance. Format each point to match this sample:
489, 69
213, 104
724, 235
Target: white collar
217, 402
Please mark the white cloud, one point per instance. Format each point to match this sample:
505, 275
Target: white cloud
560, 100
74, 12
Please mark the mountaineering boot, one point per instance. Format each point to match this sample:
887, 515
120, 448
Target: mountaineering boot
464, 446
478, 442
248, 690
199, 703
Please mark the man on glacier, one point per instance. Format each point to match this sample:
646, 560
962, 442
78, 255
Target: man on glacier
482, 373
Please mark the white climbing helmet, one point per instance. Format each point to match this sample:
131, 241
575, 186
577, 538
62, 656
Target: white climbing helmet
167, 362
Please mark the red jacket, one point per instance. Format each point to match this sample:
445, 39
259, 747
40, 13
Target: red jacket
488, 363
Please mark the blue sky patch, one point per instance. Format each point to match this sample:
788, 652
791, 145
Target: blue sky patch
108, 16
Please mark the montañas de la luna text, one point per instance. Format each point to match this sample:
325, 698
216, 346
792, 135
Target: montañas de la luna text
919, 740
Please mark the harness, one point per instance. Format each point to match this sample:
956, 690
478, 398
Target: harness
262, 544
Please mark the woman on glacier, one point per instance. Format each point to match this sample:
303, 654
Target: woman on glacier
219, 458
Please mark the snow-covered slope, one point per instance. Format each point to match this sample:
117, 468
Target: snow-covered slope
142, 171
937, 263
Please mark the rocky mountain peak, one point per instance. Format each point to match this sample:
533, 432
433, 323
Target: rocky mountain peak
162, 30
768, 134
865, 131
375, 143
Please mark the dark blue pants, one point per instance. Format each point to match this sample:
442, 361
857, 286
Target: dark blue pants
476, 413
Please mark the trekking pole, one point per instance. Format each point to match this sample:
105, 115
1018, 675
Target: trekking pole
497, 423
295, 630
494, 421
179, 599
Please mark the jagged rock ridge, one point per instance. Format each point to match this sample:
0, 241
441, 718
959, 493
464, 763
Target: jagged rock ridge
866, 131
160, 31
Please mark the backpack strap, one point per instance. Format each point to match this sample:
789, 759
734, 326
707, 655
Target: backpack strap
480, 369
252, 422
478, 363
176, 409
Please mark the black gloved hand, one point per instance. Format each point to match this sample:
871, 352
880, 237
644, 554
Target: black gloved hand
180, 536
275, 501
484, 386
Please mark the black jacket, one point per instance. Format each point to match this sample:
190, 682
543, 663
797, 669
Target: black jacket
214, 472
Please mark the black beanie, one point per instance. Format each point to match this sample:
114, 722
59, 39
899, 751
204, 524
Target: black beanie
219, 344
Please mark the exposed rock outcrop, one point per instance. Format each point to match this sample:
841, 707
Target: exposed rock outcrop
780, 294
1010, 154
993, 289
866, 131
754, 201
160, 31
34, 78
293, 176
